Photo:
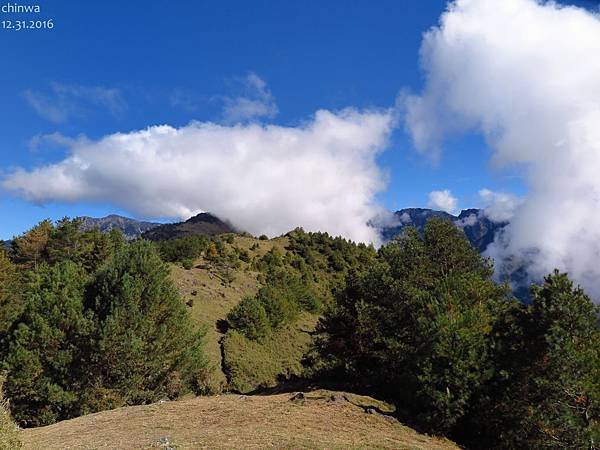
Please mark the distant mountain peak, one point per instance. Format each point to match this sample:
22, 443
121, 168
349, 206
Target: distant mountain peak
201, 224
479, 229
131, 228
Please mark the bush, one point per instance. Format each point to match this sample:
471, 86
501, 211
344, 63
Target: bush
188, 264
181, 249
250, 318
251, 364
244, 255
263, 237
279, 307
282, 298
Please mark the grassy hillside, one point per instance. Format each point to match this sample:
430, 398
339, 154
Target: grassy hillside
252, 364
321, 419
210, 297
213, 285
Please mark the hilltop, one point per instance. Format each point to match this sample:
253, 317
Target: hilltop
201, 224
315, 420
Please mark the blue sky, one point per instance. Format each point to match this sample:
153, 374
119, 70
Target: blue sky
113, 66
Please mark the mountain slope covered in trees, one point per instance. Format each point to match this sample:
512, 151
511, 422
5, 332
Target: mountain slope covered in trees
91, 322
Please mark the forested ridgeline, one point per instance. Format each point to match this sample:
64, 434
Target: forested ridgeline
90, 322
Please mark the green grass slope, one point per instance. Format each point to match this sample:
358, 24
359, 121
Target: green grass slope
241, 364
210, 298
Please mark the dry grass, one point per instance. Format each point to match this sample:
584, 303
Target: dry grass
9, 434
317, 420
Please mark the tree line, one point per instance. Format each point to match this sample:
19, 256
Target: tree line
91, 322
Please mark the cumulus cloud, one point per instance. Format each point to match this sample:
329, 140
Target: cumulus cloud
64, 101
257, 101
268, 179
499, 206
526, 74
443, 200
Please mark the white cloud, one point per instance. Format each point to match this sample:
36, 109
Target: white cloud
110, 98
405, 218
499, 206
257, 101
468, 221
55, 139
525, 74
45, 107
64, 101
263, 178
443, 200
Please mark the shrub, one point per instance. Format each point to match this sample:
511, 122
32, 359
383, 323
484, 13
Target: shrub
244, 256
263, 237
181, 249
283, 297
188, 264
250, 318
279, 307
251, 364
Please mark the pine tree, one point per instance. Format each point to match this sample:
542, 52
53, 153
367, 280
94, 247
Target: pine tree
29, 249
146, 346
47, 346
10, 295
415, 324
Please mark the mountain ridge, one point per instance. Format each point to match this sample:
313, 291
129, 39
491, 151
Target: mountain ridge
478, 228
131, 228
200, 224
